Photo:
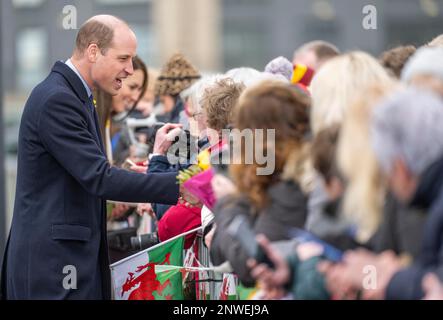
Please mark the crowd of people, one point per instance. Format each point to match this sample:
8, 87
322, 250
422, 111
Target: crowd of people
357, 165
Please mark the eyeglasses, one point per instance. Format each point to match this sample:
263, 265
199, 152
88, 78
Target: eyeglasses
189, 114
195, 114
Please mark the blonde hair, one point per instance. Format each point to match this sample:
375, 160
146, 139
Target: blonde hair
338, 82
365, 190
437, 41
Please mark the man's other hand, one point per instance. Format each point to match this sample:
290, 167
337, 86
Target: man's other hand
162, 144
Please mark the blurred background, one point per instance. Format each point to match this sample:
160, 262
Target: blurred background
215, 35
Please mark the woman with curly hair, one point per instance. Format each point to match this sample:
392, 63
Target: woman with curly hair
274, 202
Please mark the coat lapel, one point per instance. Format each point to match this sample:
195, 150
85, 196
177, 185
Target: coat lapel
79, 89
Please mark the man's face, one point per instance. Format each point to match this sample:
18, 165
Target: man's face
429, 82
109, 69
308, 58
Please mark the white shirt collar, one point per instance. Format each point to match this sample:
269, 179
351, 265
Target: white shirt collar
71, 65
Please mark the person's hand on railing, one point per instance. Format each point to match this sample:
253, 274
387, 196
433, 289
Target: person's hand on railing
119, 210
145, 208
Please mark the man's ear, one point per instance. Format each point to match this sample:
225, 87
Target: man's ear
92, 52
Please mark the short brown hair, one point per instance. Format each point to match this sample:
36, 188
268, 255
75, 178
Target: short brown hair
219, 100
270, 105
323, 152
394, 60
323, 50
96, 32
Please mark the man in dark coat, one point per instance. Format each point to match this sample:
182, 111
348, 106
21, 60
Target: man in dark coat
57, 247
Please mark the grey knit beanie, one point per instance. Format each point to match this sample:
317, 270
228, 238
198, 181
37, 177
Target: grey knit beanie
280, 65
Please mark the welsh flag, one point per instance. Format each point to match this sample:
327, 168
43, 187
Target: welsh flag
228, 290
146, 275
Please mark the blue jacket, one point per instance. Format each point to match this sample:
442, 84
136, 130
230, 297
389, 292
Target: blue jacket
160, 163
407, 283
63, 182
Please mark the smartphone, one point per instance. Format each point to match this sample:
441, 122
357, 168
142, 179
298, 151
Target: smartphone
240, 230
330, 252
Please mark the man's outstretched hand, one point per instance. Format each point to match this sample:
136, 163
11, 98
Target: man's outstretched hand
162, 143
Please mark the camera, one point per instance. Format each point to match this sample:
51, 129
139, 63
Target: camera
144, 241
183, 148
